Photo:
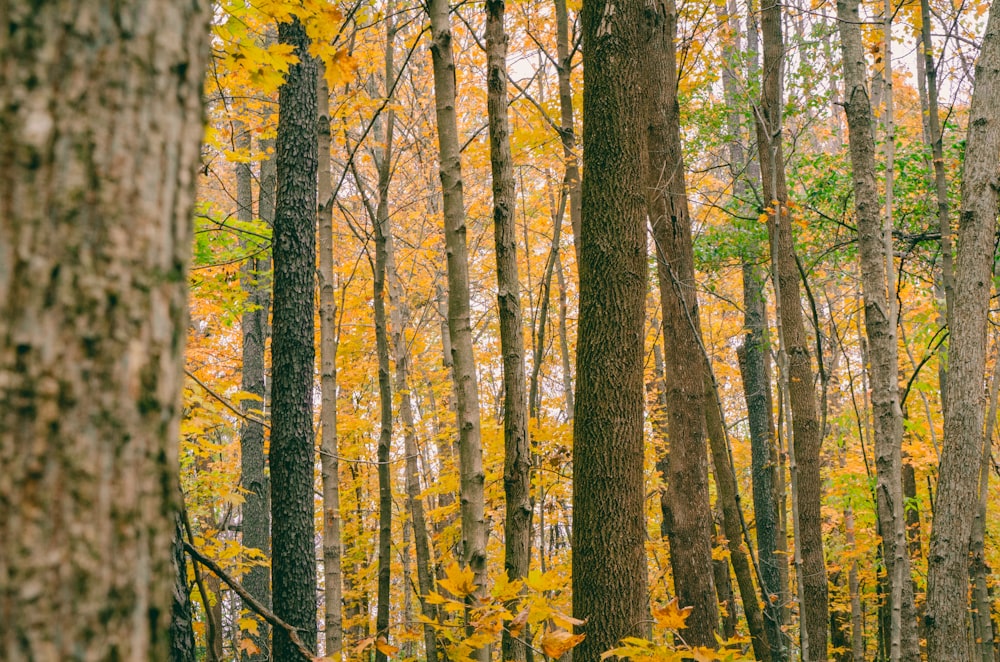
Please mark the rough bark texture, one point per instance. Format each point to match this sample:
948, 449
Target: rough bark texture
182, 646
880, 328
979, 570
381, 222
100, 121
689, 530
609, 528
293, 566
797, 372
567, 133
948, 576
333, 586
256, 509
754, 369
732, 522
471, 477
517, 452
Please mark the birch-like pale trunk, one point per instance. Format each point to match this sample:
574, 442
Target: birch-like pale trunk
471, 476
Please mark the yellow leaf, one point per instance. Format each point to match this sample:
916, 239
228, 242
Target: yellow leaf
248, 646
671, 617
517, 624
250, 625
385, 648
458, 581
556, 642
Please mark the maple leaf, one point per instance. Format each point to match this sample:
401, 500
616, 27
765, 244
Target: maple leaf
385, 647
458, 581
671, 617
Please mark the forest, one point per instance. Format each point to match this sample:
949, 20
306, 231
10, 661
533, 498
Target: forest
527, 330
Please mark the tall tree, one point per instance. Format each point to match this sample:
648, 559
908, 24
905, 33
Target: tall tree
874, 246
333, 588
609, 530
256, 511
517, 452
795, 363
293, 354
958, 481
689, 528
470, 461
95, 232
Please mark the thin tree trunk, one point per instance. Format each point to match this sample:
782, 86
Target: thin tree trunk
182, 646
567, 368
517, 452
383, 160
333, 611
794, 356
732, 521
254, 280
982, 603
948, 577
293, 566
878, 285
687, 471
100, 118
609, 530
459, 316
723, 587
567, 133
753, 359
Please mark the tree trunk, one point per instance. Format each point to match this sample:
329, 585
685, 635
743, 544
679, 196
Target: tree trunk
182, 646
687, 471
333, 588
459, 315
982, 603
948, 577
754, 369
609, 530
293, 566
794, 357
567, 369
517, 451
100, 121
567, 132
877, 282
256, 523
383, 160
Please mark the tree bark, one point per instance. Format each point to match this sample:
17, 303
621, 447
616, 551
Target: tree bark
293, 566
567, 132
95, 232
459, 315
609, 530
333, 588
982, 602
794, 357
182, 646
689, 531
517, 451
254, 279
874, 242
948, 577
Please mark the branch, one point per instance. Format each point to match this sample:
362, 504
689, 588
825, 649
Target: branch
249, 600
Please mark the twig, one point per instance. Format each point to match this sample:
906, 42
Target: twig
249, 600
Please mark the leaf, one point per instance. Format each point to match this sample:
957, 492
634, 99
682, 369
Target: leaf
458, 581
671, 617
556, 642
517, 624
248, 646
385, 647
250, 625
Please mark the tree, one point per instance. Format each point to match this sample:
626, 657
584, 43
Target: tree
470, 460
958, 482
877, 280
517, 452
794, 360
95, 239
293, 354
689, 525
609, 530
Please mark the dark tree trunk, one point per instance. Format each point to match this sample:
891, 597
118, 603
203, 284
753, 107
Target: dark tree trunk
609, 530
100, 121
517, 452
182, 646
689, 531
795, 361
293, 566
256, 510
